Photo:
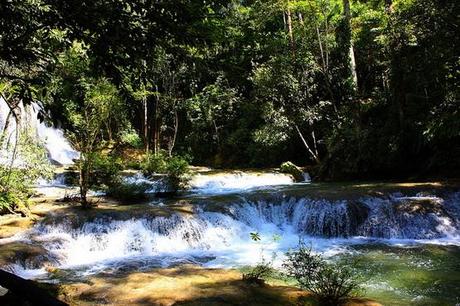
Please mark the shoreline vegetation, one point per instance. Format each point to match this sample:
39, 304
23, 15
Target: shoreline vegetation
198, 285
320, 118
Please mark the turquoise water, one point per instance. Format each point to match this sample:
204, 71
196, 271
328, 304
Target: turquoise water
409, 275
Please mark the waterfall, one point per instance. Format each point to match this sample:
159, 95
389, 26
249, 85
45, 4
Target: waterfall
222, 239
58, 148
237, 181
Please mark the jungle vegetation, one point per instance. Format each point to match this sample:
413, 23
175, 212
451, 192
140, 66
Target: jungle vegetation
352, 89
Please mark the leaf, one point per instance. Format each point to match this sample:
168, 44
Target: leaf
255, 236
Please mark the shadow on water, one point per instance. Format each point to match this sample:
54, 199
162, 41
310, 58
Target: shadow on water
198, 228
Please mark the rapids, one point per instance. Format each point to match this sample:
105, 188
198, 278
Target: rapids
227, 208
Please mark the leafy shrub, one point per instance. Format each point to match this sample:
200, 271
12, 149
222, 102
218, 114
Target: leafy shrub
71, 178
130, 137
264, 269
155, 163
132, 164
105, 170
128, 192
24, 168
331, 283
175, 167
177, 171
10, 202
259, 273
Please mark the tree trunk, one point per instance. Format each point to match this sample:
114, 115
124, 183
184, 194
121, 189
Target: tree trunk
351, 52
5, 129
146, 126
176, 128
83, 181
13, 155
156, 132
217, 133
290, 31
315, 156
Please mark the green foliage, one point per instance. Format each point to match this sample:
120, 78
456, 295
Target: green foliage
94, 115
105, 170
131, 138
155, 163
259, 273
332, 284
255, 236
210, 113
176, 169
250, 87
11, 202
263, 270
128, 192
27, 163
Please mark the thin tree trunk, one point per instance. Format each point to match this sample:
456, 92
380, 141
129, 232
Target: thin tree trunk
5, 129
315, 157
284, 21
146, 126
323, 59
83, 182
315, 144
13, 155
156, 133
290, 30
353, 66
351, 52
176, 128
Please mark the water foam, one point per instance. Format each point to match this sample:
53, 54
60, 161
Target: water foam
220, 239
237, 181
58, 148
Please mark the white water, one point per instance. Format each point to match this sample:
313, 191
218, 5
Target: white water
222, 239
237, 181
58, 148
219, 183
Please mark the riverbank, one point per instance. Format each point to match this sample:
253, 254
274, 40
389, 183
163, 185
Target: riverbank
180, 251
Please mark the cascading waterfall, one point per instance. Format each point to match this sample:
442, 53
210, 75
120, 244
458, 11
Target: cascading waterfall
58, 148
222, 239
238, 181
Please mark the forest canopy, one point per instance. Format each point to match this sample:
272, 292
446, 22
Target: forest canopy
355, 89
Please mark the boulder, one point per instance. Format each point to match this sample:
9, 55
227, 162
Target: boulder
290, 168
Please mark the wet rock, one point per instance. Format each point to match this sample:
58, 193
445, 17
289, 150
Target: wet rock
290, 168
422, 205
28, 255
12, 224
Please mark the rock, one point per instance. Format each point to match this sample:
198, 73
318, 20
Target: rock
289, 168
23, 253
420, 206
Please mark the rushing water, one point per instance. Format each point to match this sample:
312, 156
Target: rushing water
57, 146
393, 236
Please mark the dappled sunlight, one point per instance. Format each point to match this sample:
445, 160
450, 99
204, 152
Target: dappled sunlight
184, 285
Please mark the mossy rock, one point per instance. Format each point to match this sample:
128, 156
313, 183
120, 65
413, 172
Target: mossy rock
23, 253
289, 168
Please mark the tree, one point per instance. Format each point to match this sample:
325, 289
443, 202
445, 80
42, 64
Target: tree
348, 29
93, 112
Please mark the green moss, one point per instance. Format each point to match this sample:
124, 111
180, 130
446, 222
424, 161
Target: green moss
290, 168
